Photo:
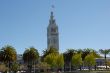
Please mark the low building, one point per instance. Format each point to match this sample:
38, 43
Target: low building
101, 61
20, 59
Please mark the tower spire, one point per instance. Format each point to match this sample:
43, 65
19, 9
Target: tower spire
52, 20
51, 17
52, 10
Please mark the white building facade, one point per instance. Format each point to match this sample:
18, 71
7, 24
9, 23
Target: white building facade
52, 34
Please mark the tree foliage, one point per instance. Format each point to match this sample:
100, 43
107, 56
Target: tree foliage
89, 60
77, 60
55, 60
15, 67
8, 54
49, 51
51, 59
60, 61
30, 55
86, 51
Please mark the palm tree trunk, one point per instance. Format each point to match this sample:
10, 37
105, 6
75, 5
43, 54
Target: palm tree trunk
80, 67
105, 61
95, 67
34, 66
70, 66
9, 66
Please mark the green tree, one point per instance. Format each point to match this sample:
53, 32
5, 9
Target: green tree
30, 56
105, 52
51, 60
44, 66
49, 51
15, 67
8, 55
77, 60
90, 60
60, 61
55, 61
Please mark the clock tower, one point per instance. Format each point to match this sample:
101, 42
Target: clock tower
52, 34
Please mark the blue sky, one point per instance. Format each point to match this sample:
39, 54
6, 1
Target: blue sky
82, 23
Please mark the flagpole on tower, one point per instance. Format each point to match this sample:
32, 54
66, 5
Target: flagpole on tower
52, 11
52, 8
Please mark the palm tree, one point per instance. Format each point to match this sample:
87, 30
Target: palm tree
30, 56
8, 55
105, 52
68, 57
87, 51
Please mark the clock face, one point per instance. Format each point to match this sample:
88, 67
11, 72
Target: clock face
53, 30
